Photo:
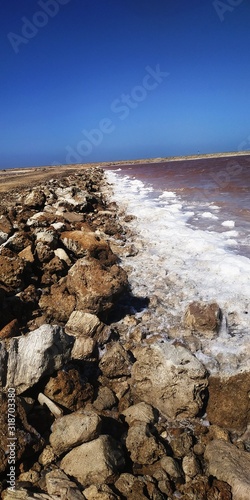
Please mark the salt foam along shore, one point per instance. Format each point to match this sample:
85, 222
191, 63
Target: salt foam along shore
177, 264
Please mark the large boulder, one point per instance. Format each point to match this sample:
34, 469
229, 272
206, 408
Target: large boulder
228, 463
95, 287
169, 378
95, 462
229, 403
31, 357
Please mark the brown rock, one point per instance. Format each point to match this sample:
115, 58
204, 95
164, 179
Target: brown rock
12, 271
142, 444
10, 330
27, 254
67, 389
229, 403
95, 287
203, 318
58, 304
115, 362
84, 243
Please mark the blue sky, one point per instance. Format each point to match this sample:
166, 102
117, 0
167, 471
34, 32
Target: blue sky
94, 80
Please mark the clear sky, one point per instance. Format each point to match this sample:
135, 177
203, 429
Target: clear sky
99, 80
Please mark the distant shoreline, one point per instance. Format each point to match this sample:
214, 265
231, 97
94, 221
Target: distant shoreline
160, 159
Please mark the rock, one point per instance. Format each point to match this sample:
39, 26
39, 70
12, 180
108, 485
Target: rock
82, 324
171, 467
47, 456
229, 403
58, 304
39, 353
95, 462
74, 429
18, 241
6, 227
83, 348
142, 444
227, 463
191, 466
67, 389
169, 378
62, 255
35, 199
105, 399
9, 330
12, 271
101, 493
59, 484
203, 318
141, 412
95, 287
43, 252
84, 243
181, 445
115, 362
23, 494
27, 254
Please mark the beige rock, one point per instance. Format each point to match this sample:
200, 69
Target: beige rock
227, 463
115, 362
171, 466
83, 243
203, 318
169, 378
229, 403
74, 429
60, 486
35, 199
62, 255
95, 462
105, 399
101, 493
83, 348
141, 412
142, 445
82, 324
191, 466
47, 456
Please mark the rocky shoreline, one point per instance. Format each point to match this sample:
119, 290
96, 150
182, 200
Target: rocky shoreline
100, 407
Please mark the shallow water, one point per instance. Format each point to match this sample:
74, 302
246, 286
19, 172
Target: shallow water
193, 240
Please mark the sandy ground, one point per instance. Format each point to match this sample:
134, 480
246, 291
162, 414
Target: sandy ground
11, 179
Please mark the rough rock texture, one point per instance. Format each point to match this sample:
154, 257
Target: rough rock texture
231, 465
229, 403
142, 444
74, 429
203, 318
115, 362
12, 271
94, 286
68, 389
31, 357
169, 378
96, 462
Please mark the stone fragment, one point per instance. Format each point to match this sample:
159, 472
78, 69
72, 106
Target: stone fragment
142, 444
191, 466
9, 330
105, 399
141, 412
83, 348
95, 287
74, 429
60, 486
35, 199
12, 271
95, 462
171, 467
228, 463
229, 403
58, 304
6, 228
82, 324
67, 389
203, 318
27, 254
169, 378
102, 492
39, 353
84, 243
115, 362
47, 456
62, 255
